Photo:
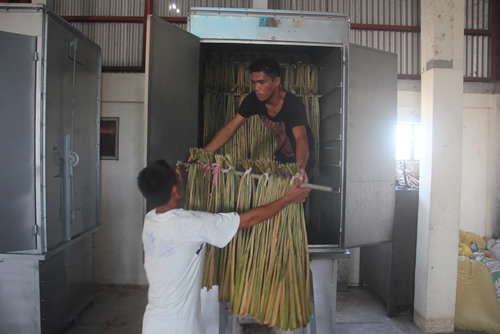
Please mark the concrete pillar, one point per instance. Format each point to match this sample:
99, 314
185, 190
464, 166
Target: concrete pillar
496, 225
442, 35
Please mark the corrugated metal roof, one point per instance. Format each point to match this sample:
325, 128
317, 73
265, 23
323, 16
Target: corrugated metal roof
122, 42
181, 8
99, 7
385, 12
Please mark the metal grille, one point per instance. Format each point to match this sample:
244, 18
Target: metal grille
477, 56
477, 40
477, 14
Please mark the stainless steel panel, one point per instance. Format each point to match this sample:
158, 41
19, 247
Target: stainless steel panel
389, 268
371, 152
61, 45
325, 223
66, 288
20, 301
172, 102
269, 26
84, 205
43, 293
17, 141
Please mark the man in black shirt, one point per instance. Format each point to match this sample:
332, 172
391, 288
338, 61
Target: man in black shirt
282, 113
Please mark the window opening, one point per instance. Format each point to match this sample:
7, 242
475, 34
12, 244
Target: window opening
408, 154
109, 138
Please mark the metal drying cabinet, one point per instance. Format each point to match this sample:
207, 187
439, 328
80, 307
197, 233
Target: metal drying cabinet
50, 87
358, 94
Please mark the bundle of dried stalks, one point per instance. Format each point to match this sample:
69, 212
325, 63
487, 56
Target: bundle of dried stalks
264, 270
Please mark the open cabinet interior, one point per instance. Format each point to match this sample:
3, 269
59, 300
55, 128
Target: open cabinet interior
315, 75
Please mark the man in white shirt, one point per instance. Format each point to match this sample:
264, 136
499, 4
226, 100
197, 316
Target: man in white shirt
173, 241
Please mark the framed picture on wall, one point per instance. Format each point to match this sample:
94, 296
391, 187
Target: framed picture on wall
109, 138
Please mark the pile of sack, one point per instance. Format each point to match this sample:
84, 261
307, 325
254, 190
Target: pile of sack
478, 284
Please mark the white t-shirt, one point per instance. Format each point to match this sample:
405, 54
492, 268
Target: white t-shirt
173, 247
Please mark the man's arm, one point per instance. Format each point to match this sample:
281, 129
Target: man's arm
227, 132
294, 195
301, 149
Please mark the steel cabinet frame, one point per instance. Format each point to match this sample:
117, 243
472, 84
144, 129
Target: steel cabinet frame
358, 94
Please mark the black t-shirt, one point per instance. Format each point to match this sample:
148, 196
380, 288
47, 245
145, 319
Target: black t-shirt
292, 114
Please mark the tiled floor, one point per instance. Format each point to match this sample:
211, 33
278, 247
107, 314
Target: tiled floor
119, 310
359, 311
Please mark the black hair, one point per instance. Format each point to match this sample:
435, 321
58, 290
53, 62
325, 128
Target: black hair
267, 65
156, 182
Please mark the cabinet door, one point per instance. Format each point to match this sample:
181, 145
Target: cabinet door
172, 74
60, 45
85, 178
17, 142
371, 146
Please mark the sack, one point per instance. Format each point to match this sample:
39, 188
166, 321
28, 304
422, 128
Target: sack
477, 307
493, 267
474, 241
494, 248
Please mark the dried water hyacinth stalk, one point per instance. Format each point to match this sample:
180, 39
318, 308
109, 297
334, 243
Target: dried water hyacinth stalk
264, 270
300, 79
232, 145
289, 82
241, 79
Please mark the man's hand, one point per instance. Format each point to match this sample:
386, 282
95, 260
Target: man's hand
303, 174
296, 194
178, 172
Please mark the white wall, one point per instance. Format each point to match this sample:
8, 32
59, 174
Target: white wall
118, 242
479, 202
479, 165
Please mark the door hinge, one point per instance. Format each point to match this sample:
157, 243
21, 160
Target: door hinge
35, 56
